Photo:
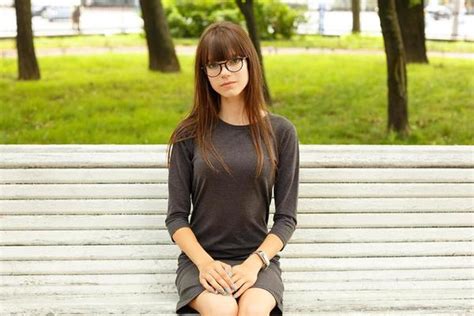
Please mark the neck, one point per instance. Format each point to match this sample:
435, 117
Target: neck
232, 110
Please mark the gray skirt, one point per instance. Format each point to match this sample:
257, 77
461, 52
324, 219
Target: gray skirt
189, 287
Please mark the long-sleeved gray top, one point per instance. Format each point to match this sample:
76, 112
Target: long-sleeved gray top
230, 214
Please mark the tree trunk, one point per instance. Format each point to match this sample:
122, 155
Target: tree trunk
396, 68
355, 16
412, 24
27, 64
247, 10
161, 53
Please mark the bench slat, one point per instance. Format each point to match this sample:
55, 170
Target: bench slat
287, 264
307, 190
314, 250
311, 156
305, 205
307, 175
91, 222
355, 276
452, 289
161, 236
312, 302
160, 148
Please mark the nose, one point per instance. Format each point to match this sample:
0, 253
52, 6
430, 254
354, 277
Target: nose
224, 71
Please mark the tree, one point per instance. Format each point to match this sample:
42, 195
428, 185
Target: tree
396, 68
411, 19
161, 52
355, 16
247, 10
27, 64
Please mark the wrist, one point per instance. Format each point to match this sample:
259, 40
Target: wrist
254, 261
203, 262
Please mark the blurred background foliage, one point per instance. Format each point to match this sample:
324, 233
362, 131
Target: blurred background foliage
189, 18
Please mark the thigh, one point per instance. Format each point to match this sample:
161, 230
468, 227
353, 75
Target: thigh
210, 302
257, 300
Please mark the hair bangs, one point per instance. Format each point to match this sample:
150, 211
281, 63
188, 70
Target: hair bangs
222, 46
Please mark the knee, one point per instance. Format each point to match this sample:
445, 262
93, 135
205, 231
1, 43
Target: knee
247, 308
221, 307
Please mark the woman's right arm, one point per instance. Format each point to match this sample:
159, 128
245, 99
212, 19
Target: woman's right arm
188, 243
220, 271
180, 175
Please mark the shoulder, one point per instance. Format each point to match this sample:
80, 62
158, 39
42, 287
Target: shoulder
184, 136
183, 143
282, 126
186, 144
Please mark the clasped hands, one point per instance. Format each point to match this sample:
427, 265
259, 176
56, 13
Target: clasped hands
219, 277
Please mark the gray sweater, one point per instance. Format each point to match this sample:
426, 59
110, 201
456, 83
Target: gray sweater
230, 214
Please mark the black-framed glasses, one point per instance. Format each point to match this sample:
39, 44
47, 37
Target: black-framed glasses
215, 69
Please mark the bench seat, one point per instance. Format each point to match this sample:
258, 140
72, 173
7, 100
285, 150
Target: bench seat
382, 230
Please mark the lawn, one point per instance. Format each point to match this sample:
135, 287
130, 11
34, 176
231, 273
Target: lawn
337, 42
113, 98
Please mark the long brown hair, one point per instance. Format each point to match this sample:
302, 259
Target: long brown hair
222, 41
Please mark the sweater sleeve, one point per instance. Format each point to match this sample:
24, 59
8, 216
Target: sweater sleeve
286, 186
179, 187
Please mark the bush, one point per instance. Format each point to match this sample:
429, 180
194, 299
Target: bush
276, 20
188, 19
232, 15
176, 22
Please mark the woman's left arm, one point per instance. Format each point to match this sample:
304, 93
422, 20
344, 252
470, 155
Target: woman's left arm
286, 187
286, 194
285, 217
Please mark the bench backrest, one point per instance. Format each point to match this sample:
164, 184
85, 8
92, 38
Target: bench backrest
379, 227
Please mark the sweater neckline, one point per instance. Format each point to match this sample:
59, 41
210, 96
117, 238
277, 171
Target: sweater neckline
238, 126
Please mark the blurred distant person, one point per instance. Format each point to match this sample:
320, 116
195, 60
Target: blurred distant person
76, 19
322, 9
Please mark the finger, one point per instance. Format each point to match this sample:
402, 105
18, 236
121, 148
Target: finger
206, 281
225, 273
229, 272
238, 283
216, 281
207, 286
238, 280
244, 287
235, 278
226, 280
241, 281
228, 268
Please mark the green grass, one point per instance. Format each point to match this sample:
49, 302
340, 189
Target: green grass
81, 41
332, 42
113, 98
364, 42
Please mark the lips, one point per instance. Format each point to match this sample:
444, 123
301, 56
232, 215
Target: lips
227, 83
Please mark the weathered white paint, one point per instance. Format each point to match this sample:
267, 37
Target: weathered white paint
381, 230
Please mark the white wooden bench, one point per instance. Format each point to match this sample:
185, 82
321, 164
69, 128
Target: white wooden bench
381, 229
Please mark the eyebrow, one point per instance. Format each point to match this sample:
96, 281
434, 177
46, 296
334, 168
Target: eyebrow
233, 55
222, 61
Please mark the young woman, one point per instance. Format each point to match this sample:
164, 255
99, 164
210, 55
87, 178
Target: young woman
228, 155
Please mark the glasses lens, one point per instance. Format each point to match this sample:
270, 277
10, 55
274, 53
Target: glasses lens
213, 69
234, 64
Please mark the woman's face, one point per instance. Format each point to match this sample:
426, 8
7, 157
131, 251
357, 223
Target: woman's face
228, 83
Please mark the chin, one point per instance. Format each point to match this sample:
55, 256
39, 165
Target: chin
230, 94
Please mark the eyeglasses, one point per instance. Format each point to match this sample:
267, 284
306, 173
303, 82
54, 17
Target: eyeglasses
233, 65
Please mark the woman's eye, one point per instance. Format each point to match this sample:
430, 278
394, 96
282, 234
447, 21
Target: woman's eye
234, 61
212, 66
